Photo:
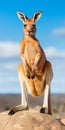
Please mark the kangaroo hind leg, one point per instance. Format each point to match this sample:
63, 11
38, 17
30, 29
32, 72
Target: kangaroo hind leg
47, 96
46, 108
24, 101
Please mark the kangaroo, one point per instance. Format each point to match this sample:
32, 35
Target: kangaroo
35, 71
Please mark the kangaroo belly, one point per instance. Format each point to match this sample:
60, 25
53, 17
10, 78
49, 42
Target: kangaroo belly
30, 53
35, 86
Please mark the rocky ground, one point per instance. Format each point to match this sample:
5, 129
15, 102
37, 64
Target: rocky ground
29, 120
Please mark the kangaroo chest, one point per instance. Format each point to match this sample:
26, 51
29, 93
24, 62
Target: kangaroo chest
30, 53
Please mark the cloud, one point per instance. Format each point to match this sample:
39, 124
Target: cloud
9, 49
59, 31
9, 65
9, 79
54, 52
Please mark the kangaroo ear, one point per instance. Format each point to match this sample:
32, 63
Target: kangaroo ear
21, 16
37, 16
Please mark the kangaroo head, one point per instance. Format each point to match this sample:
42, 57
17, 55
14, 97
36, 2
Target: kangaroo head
29, 23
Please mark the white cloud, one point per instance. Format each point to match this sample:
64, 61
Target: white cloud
54, 52
59, 31
9, 66
9, 79
9, 49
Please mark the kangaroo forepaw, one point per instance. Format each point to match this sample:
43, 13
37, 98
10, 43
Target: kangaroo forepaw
32, 75
28, 75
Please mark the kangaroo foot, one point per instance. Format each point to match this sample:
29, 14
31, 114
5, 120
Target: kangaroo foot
45, 110
42, 110
12, 111
17, 108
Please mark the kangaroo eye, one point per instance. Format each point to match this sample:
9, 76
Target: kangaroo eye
25, 25
33, 25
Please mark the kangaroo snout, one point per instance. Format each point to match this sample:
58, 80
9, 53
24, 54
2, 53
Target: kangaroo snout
29, 29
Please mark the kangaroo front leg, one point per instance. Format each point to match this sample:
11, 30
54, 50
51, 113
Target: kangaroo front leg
47, 101
25, 65
27, 69
37, 58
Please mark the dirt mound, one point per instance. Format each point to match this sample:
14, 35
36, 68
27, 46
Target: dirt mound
29, 120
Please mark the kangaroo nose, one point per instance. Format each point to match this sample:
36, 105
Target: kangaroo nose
30, 31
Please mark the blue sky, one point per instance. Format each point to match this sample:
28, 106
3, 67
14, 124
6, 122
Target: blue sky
50, 33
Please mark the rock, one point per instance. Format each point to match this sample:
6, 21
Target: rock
29, 120
63, 121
